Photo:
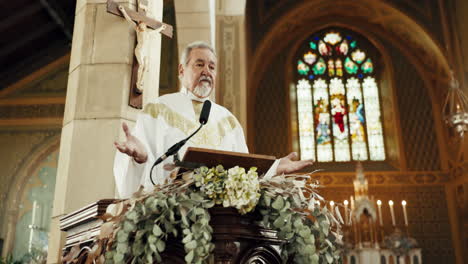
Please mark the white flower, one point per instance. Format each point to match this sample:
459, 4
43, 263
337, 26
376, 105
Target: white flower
242, 189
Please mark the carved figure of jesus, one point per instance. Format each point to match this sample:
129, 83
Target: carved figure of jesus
140, 52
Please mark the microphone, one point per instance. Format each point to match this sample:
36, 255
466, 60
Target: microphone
205, 113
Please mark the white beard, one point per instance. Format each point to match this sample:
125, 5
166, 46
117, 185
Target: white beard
202, 90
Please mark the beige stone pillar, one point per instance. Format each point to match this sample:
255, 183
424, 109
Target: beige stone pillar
194, 21
96, 105
230, 46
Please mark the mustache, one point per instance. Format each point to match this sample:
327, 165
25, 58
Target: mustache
205, 78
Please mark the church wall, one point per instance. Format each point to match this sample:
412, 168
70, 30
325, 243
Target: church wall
17, 147
261, 15
416, 119
460, 187
271, 129
31, 113
422, 180
461, 38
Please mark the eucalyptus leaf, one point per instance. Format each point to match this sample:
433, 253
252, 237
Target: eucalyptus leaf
191, 245
329, 258
139, 234
305, 232
122, 248
314, 259
153, 247
132, 215
129, 226
122, 236
289, 235
207, 236
172, 201
152, 239
118, 258
187, 238
158, 257
278, 204
267, 200
199, 211
279, 222
160, 245
209, 204
137, 249
149, 257
189, 256
157, 230
196, 197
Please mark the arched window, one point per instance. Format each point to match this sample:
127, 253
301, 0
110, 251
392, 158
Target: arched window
338, 105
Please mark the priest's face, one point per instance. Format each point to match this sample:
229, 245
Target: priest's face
198, 75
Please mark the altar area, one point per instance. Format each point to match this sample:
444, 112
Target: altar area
366, 239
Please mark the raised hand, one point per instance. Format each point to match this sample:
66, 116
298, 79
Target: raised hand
132, 147
290, 164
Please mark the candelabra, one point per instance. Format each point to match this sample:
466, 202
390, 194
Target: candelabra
365, 236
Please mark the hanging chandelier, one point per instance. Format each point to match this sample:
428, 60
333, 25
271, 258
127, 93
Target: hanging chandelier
455, 109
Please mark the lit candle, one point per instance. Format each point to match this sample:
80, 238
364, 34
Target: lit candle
392, 212
346, 211
332, 206
403, 203
34, 207
33, 221
379, 207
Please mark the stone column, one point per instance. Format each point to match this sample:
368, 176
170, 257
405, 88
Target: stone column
96, 105
230, 46
194, 21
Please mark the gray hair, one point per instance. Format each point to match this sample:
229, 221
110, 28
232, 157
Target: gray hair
194, 45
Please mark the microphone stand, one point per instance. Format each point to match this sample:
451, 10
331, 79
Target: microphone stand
171, 151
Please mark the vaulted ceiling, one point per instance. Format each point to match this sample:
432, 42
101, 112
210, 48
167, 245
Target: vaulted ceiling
33, 34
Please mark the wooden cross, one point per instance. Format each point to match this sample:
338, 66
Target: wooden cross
139, 16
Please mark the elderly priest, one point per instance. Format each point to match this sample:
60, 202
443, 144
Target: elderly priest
173, 117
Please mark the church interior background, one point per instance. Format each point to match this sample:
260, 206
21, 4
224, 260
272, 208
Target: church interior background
276, 60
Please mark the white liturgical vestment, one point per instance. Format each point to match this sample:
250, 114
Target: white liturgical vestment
163, 123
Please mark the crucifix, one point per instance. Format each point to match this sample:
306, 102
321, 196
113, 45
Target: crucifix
143, 24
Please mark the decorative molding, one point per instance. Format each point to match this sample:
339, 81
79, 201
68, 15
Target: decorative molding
384, 178
31, 111
32, 101
229, 42
44, 71
28, 122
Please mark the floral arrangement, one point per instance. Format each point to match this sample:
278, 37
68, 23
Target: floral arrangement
399, 243
140, 227
232, 188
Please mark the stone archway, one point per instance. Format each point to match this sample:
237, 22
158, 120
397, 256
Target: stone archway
376, 17
18, 187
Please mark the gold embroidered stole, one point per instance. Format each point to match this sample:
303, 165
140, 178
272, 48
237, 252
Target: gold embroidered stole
210, 136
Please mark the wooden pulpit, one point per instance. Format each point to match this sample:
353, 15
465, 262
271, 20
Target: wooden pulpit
237, 238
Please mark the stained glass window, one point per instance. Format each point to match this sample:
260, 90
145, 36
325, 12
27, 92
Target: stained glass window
338, 104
